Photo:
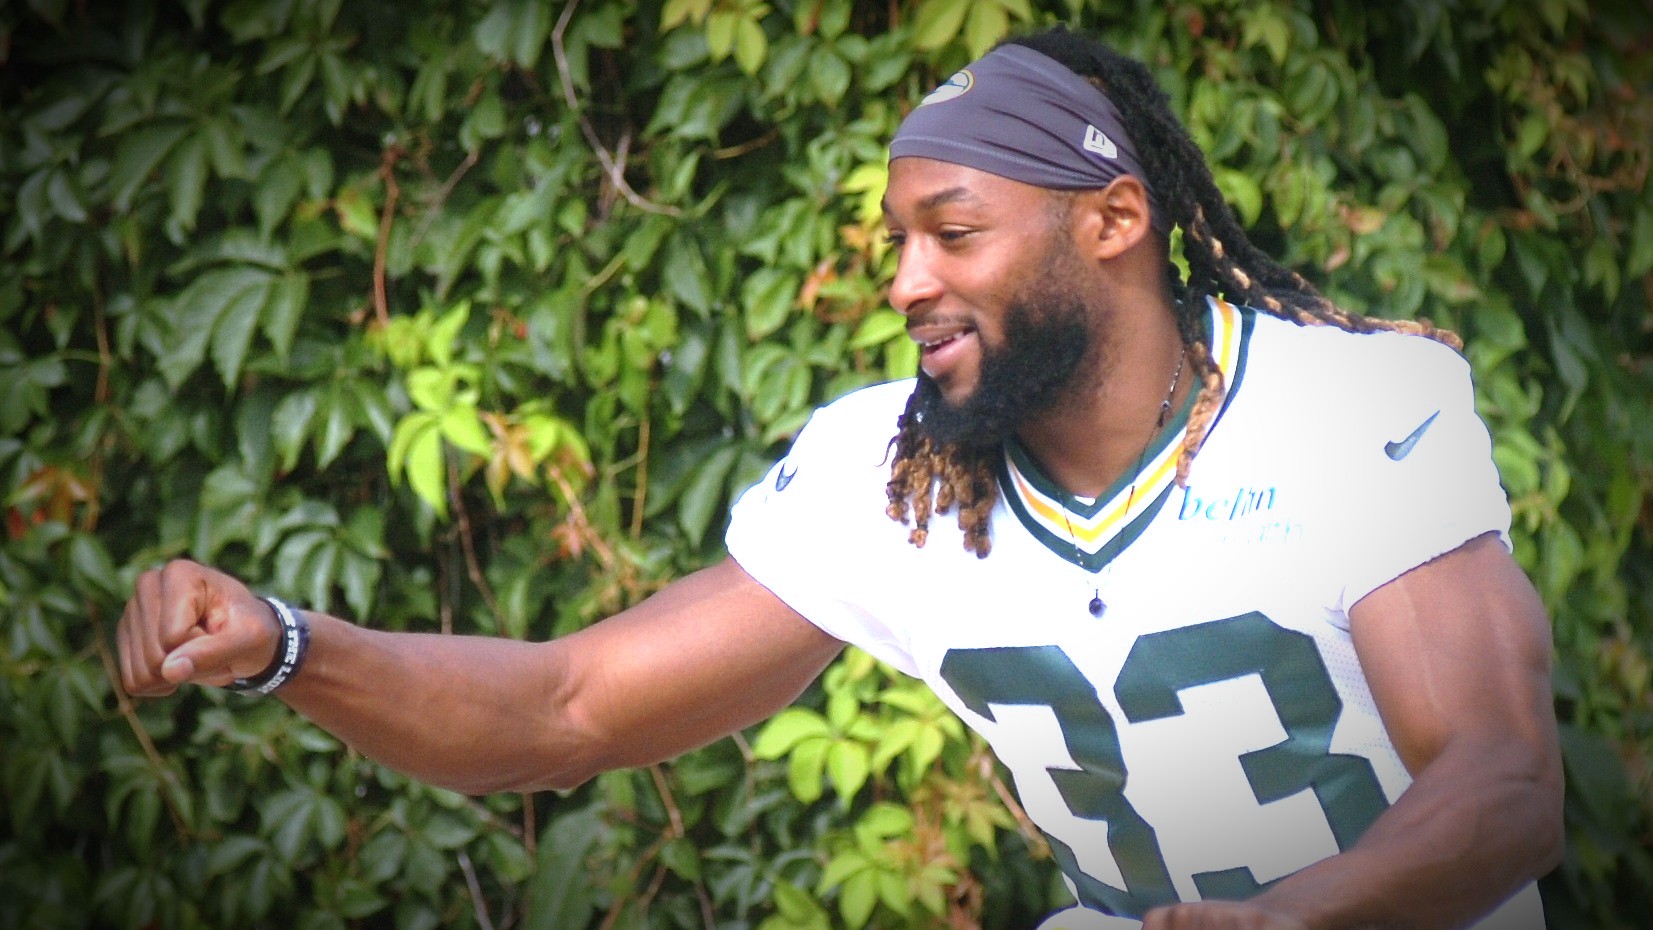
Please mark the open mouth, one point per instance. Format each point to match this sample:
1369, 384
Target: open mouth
935, 345
932, 339
943, 346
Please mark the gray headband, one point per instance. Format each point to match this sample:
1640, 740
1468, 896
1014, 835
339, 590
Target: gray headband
1024, 116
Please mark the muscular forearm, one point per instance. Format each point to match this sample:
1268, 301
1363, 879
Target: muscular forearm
1480, 822
470, 713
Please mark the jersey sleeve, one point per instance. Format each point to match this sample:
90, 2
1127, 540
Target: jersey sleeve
1419, 478
810, 531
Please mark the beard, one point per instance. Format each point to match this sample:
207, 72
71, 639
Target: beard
1047, 337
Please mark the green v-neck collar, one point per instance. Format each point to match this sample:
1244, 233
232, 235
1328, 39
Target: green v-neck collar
1091, 534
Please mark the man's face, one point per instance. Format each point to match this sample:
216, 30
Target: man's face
993, 291
1026, 373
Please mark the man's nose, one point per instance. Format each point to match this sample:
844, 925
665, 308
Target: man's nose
915, 279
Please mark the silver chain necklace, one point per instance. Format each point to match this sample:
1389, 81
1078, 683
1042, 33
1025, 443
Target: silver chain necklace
1096, 607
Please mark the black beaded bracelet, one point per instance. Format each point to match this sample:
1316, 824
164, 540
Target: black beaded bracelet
295, 640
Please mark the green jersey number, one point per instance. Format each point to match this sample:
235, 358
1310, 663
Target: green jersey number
1158, 668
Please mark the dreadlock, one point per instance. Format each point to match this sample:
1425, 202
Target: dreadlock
927, 478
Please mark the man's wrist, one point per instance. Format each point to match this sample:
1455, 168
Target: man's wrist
291, 646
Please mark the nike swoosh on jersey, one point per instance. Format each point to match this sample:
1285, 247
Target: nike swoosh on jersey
1399, 449
784, 477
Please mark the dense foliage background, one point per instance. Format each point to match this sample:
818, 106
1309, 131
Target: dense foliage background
470, 316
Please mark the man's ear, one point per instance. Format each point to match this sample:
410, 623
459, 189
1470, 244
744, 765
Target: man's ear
1112, 220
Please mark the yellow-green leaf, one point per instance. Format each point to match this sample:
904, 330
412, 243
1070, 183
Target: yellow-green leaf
720, 34
804, 770
846, 763
937, 22
987, 24
751, 46
786, 730
463, 427
426, 471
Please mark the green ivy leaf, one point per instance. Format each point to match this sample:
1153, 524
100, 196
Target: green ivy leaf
704, 493
682, 858
231, 852
786, 730
445, 830
463, 427
847, 765
197, 313
186, 177
806, 769
768, 296
937, 22
1263, 25
879, 327
382, 855
289, 298
232, 334
1242, 191
882, 822
514, 30
857, 898
67, 201
137, 156
290, 425
426, 469
796, 910
986, 24
751, 46
559, 896
830, 74
720, 33
338, 423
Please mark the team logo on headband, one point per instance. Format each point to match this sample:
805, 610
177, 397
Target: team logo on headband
955, 86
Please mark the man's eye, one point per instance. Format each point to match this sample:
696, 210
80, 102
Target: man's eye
896, 239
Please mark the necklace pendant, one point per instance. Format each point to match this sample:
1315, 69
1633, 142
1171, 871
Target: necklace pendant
1096, 606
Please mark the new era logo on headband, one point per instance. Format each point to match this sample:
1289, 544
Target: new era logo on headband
1096, 141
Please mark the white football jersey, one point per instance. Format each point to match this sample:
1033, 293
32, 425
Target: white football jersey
1211, 731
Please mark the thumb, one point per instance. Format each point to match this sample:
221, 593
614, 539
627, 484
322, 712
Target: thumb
222, 652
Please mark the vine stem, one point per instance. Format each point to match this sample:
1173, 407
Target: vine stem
128, 711
434, 204
576, 511
477, 904
614, 169
613, 915
473, 568
673, 814
530, 829
381, 251
640, 496
1024, 823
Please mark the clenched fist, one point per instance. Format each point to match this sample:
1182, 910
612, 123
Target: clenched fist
190, 623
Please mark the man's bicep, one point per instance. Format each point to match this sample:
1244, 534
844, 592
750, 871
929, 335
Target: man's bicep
1459, 649
709, 655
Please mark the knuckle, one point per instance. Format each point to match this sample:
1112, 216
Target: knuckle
177, 570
